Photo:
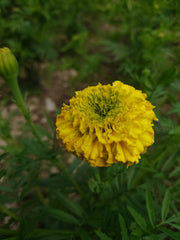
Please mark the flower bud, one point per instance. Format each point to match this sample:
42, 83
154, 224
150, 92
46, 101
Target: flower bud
8, 64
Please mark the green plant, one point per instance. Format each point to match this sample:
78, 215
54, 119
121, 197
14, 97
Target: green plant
42, 196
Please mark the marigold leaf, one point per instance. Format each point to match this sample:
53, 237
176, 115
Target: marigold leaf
174, 173
62, 216
149, 207
165, 205
138, 218
170, 233
71, 206
175, 219
49, 121
102, 235
123, 227
175, 226
175, 109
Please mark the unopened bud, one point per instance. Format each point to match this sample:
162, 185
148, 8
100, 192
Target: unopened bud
8, 64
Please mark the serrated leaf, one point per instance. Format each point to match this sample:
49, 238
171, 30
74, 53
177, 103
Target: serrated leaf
62, 216
174, 218
175, 109
170, 233
150, 209
131, 174
175, 226
71, 206
176, 172
165, 205
102, 235
138, 218
124, 233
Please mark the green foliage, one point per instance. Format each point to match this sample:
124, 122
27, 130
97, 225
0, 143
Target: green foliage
133, 41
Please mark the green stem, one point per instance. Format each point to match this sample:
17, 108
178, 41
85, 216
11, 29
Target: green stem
40, 195
13, 84
8, 212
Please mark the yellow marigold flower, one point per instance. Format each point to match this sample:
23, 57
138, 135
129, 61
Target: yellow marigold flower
107, 124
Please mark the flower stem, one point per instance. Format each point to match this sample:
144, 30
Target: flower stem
13, 84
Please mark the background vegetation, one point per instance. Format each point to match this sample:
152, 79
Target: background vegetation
136, 42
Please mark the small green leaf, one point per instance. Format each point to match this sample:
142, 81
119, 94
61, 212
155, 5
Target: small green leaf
49, 121
138, 218
174, 173
62, 216
149, 207
102, 235
5, 210
175, 226
71, 206
165, 205
131, 175
124, 233
170, 233
176, 108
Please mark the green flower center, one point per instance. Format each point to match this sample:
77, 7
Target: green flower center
102, 102
101, 109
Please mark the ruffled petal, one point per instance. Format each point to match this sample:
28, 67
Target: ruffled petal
106, 124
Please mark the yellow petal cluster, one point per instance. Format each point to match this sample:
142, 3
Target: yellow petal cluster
105, 124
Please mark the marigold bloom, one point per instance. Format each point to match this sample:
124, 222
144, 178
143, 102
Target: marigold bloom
107, 124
